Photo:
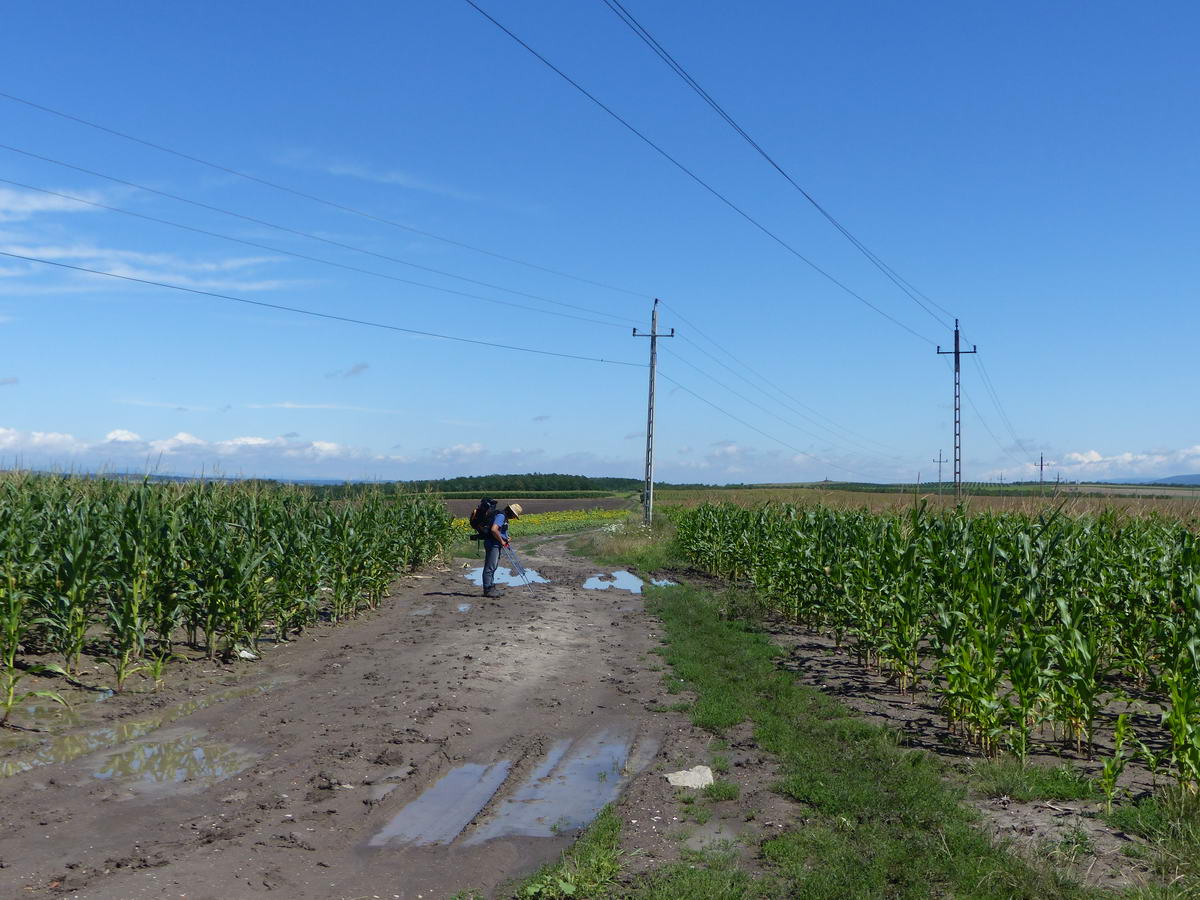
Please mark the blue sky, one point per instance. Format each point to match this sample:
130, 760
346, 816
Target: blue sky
1029, 167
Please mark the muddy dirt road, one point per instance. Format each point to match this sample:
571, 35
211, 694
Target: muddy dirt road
443, 742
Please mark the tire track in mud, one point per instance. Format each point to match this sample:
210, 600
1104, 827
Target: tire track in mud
530, 711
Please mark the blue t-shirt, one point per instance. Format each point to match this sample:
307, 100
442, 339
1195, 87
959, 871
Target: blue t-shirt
501, 522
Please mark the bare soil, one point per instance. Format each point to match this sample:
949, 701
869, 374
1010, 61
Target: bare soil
422, 749
1041, 828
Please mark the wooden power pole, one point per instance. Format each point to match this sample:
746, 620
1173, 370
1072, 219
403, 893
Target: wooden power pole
648, 492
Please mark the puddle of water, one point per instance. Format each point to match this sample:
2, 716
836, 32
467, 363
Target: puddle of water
422, 611
173, 756
67, 747
104, 695
440, 814
464, 607
622, 580
568, 788
663, 582
42, 715
507, 576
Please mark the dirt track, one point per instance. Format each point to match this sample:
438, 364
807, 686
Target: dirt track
294, 783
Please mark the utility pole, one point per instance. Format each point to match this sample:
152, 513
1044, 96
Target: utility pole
648, 493
1041, 471
939, 461
958, 352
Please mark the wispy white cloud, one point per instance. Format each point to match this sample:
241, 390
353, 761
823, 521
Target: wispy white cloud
165, 404
287, 404
18, 205
11, 379
343, 168
354, 370
227, 274
398, 178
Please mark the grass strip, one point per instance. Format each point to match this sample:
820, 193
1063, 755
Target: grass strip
589, 868
881, 822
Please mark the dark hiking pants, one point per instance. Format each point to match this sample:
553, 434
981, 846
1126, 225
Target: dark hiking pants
491, 559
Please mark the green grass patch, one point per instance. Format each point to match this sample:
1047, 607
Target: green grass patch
1171, 827
588, 869
630, 543
703, 876
881, 820
722, 790
1022, 782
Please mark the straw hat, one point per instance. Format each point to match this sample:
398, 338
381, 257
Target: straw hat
515, 510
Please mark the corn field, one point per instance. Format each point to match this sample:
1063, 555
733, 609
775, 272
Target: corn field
1016, 623
128, 571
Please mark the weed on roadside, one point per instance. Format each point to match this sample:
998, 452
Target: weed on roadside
589, 868
1024, 782
1170, 825
881, 821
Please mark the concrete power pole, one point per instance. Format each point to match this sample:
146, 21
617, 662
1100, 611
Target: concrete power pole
958, 353
1041, 471
939, 461
648, 491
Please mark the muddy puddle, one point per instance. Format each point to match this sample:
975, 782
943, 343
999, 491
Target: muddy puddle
67, 747
440, 814
563, 793
464, 607
576, 780
507, 576
623, 581
171, 758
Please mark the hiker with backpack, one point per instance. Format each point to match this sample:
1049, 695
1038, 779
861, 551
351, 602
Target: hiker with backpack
492, 525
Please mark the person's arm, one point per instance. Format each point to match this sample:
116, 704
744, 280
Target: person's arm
496, 535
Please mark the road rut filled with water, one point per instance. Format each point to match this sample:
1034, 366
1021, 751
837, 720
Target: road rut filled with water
444, 742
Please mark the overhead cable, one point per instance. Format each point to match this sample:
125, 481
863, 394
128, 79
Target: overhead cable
640, 30
753, 403
775, 387
314, 197
305, 234
696, 178
305, 256
318, 314
755, 428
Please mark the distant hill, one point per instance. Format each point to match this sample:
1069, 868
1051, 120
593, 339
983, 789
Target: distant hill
1176, 479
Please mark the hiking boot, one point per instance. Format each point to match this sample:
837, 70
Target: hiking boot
493, 591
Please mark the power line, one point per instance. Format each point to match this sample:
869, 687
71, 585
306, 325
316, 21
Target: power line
984, 423
720, 346
642, 32
313, 197
305, 234
990, 386
755, 428
917, 296
753, 403
696, 178
317, 314
304, 256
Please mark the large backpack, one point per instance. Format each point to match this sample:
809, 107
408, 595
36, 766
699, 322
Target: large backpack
483, 515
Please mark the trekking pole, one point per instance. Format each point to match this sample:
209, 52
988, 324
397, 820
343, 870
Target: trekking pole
511, 556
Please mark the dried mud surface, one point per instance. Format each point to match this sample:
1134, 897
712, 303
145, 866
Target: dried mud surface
295, 776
